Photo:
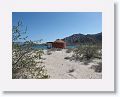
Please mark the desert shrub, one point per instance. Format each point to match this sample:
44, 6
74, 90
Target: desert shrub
24, 56
86, 52
97, 68
86, 62
58, 49
71, 70
49, 52
38, 53
99, 53
69, 50
67, 58
31, 73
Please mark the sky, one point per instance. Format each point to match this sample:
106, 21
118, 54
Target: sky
50, 26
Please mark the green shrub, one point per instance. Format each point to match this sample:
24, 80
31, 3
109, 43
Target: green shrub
86, 52
71, 70
49, 52
69, 50
59, 49
97, 68
24, 65
87, 62
67, 58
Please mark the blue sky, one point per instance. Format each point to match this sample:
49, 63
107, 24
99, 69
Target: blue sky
50, 26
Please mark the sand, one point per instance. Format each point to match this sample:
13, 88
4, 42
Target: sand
59, 68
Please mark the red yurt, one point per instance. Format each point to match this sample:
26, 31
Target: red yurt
59, 44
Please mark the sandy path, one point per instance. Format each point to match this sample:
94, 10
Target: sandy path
60, 68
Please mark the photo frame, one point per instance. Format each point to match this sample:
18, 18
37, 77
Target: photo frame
104, 84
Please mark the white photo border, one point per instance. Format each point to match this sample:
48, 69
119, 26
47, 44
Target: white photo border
104, 84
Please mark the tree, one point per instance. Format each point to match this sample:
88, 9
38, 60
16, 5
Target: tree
24, 64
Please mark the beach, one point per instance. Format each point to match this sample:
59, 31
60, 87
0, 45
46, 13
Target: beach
59, 68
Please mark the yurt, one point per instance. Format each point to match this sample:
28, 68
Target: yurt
59, 44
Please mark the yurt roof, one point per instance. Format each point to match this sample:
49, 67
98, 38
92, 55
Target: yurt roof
60, 41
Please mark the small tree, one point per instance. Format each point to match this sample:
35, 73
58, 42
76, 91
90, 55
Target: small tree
23, 56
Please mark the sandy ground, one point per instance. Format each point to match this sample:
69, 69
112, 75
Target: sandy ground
60, 68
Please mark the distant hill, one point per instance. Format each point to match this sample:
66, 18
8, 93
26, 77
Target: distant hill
77, 39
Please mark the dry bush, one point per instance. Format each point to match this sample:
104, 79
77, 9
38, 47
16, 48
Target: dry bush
67, 58
23, 56
69, 50
49, 52
71, 70
97, 68
58, 49
86, 52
